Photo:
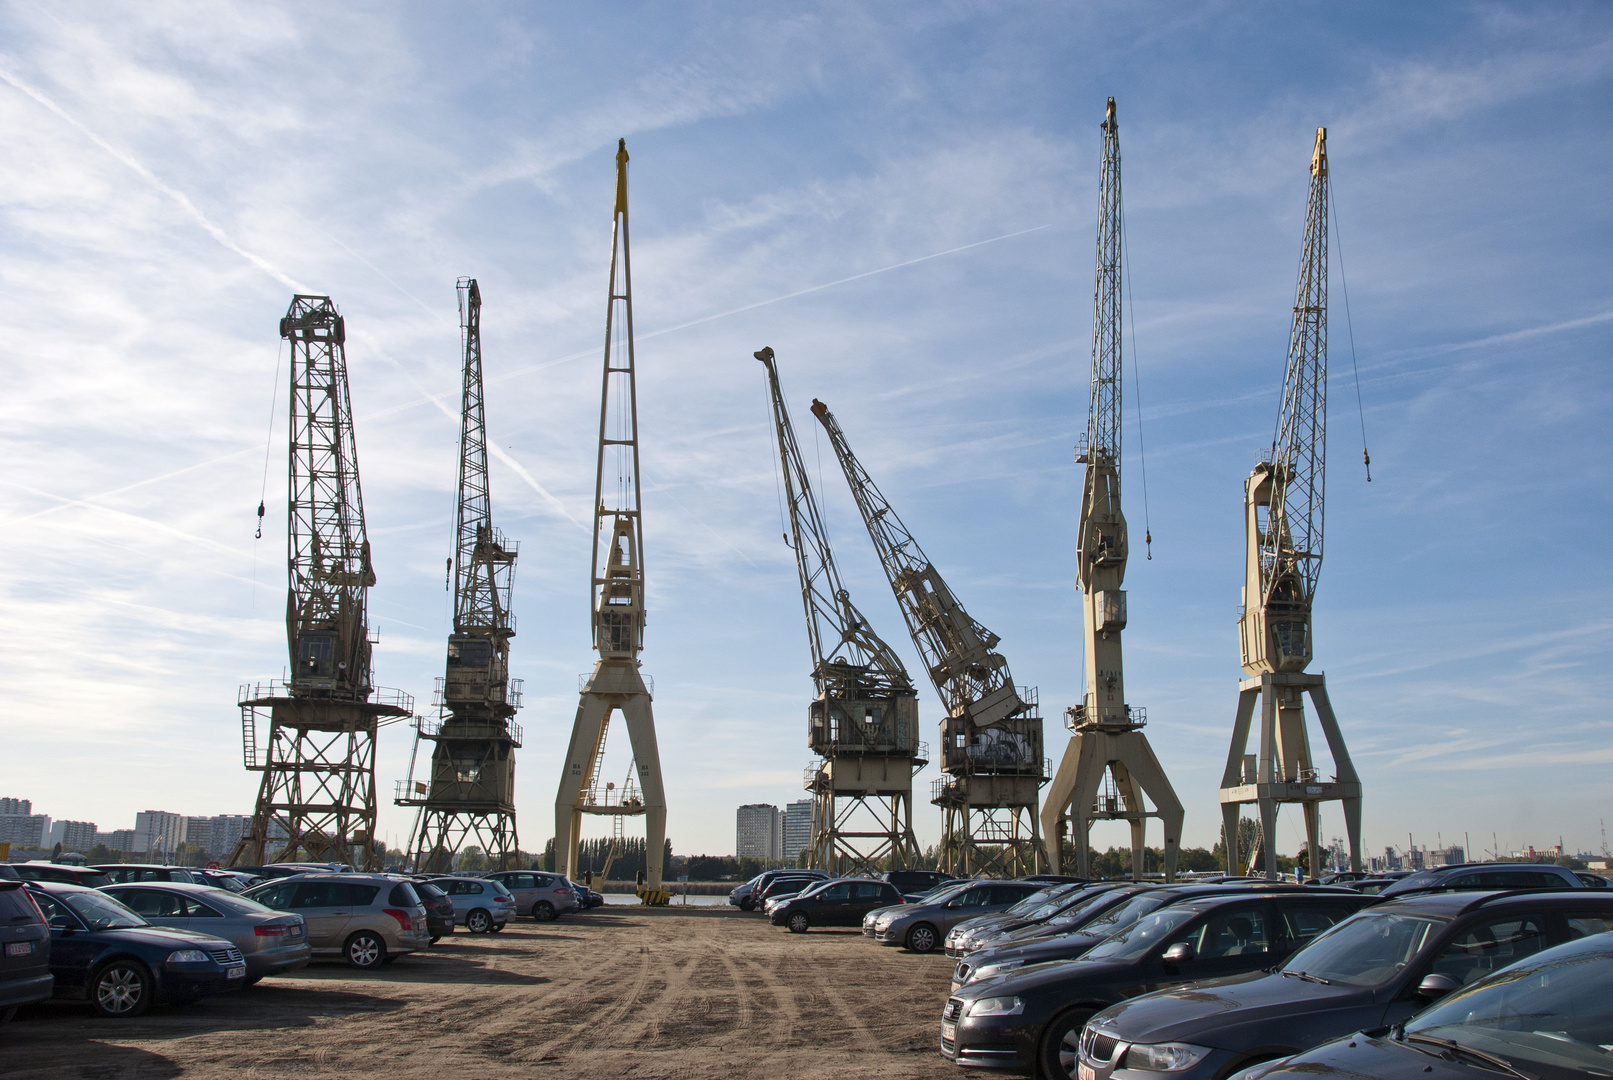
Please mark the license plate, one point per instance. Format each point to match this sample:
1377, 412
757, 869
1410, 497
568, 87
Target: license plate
1088, 1072
236, 973
949, 1032
19, 948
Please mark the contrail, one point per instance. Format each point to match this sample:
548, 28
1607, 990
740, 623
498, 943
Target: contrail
179, 197
86, 500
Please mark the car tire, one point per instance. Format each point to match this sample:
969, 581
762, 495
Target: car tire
543, 911
1060, 1046
478, 921
121, 988
922, 938
365, 950
495, 928
436, 938
799, 923
747, 905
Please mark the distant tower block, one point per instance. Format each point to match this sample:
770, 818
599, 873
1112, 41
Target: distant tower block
1282, 505
469, 799
618, 601
1108, 765
317, 798
863, 722
991, 737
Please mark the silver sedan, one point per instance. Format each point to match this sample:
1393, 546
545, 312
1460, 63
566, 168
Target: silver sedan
273, 942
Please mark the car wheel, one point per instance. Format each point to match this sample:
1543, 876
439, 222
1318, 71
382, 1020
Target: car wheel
1061, 1044
922, 938
747, 905
495, 928
799, 923
478, 921
365, 950
121, 988
436, 938
543, 911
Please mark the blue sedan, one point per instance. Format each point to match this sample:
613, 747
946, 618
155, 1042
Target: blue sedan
105, 953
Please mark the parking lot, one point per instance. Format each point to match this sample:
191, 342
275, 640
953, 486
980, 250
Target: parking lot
615, 992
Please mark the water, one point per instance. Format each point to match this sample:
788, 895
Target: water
677, 901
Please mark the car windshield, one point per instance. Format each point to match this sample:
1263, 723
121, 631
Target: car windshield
1044, 904
947, 892
1029, 903
1419, 879
1142, 935
1083, 909
1367, 950
1123, 915
815, 888
1550, 1009
100, 912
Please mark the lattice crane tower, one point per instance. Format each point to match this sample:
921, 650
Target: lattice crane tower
863, 723
991, 738
469, 798
1282, 505
318, 793
1108, 765
617, 601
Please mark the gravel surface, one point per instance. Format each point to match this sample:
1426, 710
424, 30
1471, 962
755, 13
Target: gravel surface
615, 992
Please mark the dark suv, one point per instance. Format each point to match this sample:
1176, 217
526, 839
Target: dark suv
1488, 876
1032, 1018
1370, 971
840, 902
24, 951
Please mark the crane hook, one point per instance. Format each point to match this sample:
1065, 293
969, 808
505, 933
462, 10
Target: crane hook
259, 534
1148, 544
1366, 459
448, 574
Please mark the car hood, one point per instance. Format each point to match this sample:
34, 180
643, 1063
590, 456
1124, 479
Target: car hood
1359, 1057
1044, 975
1040, 950
1206, 1010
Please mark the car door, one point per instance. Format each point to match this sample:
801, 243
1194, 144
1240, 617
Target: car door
829, 907
865, 897
72, 947
324, 910
524, 887
1227, 940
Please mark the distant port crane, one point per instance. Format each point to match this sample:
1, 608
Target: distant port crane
317, 799
469, 797
1282, 513
1108, 764
863, 722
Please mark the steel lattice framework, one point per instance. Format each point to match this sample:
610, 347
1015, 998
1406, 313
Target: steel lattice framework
616, 593
1103, 413
863, 721
992, 737
470, 798
318, 790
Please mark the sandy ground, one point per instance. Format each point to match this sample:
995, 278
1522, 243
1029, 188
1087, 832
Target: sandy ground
615, 992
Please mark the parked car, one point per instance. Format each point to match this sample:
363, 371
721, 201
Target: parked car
542, 895
1031, 1019
1545, 1016
915, 882
24, 950
229, 882
746, 897
1472, 876
922, 927
272, 942
783, 887
103, 952
1035, 909
282, 870
481, 905
123, 872
61, 873
589, 898
1369, 971
439, 909
838, 902
367, 919
1592, 881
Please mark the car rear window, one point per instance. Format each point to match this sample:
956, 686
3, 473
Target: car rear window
15, 906
402, 895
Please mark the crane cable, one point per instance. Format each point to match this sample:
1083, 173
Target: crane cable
1136, 380
268, 442
1366, 458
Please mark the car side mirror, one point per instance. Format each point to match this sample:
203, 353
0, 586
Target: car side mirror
62, 922
954, 903
1180, 953
1437, 985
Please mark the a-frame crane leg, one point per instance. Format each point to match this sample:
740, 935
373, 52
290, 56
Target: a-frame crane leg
640, 720
593, 712
1074, 790
1343, 767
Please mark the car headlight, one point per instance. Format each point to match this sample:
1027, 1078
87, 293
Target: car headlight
996, 1006
1165, 1057
986, 971
188, 956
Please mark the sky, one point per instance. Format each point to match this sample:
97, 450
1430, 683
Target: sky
900, 199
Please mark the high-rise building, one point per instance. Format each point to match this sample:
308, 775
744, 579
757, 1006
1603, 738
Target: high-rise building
157, 833
76, 836
117, 840
224, 832
759, 833
797, 828
24, 807
24, 830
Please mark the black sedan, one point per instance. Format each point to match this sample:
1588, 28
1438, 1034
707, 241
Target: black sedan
1370, 971
1031, 1018
1546, 1017
105, 953
842, 902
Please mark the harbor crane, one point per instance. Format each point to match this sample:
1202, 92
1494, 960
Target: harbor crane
617, 602
1108, 764
469, 798
991, 738
317, 798
1282, 515
863, 723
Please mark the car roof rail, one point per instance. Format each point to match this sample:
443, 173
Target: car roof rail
1567, 892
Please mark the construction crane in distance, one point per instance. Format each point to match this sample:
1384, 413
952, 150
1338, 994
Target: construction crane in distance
317, 798
617, 602
863, 722
1282, 504
470, 796
1108, 765
991, 737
